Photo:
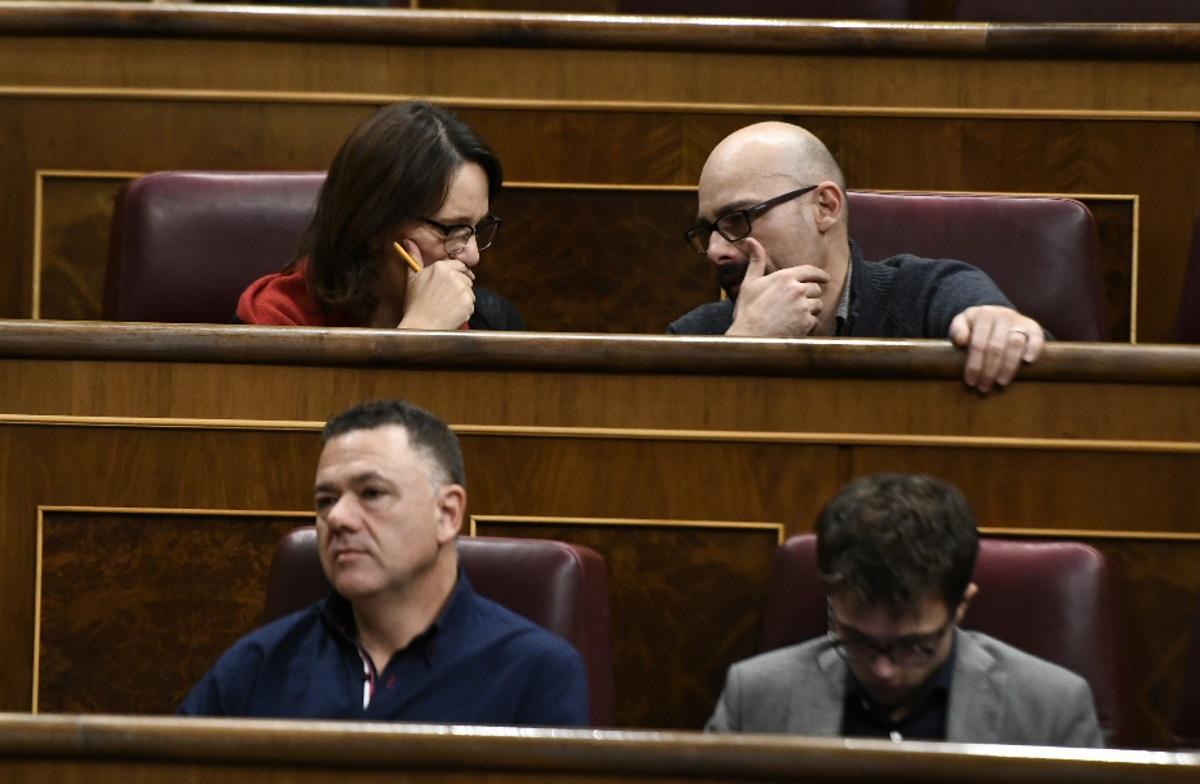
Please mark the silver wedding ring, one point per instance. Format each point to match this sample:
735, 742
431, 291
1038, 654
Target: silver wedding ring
1020, 331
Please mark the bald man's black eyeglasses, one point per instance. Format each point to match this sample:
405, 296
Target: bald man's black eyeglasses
735, 225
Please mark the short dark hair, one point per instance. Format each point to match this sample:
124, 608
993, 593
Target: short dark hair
395, 166
426, 433
892, 539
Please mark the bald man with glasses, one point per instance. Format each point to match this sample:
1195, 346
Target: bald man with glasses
772, 217
896, 553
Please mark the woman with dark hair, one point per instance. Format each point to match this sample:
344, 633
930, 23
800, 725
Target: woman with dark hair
412, 180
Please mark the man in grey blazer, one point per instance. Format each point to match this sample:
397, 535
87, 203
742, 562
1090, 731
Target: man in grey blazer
897, 553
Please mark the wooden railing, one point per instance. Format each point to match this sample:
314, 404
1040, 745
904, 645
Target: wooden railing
107, 749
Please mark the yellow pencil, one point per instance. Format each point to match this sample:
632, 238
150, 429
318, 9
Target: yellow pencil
413, 264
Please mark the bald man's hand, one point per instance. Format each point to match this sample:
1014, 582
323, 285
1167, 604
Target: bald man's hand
780, 304
997, 340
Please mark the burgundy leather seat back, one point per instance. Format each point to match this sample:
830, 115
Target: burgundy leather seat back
561, 587
296, 579
1077, 11
1187, 322
796, 609
184, 245
794, 9
1043, 253
1051, 599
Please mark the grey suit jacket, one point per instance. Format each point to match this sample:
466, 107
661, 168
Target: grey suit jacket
998, 695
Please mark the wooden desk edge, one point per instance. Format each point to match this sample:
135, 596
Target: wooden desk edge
409, 746
601, 31
574, 352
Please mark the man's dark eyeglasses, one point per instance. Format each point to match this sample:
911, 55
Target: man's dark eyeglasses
456, 235
912, 651
735, 225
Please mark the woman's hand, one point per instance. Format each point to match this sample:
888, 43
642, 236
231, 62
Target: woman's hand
440, 296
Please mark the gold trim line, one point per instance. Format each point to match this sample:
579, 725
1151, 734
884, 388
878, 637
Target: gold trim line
838, 439
117, 174
35, 271
633, 522
163, 510
620, 433
1133, 272
578, 104
1085, 533
178, 423
37, 613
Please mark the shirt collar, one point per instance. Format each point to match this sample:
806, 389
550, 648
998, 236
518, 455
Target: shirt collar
338, 614
940, 680
843, 307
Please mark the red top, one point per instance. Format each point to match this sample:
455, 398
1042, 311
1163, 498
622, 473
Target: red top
282, 299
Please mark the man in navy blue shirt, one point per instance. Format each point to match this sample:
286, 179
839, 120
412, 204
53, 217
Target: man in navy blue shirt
402, 636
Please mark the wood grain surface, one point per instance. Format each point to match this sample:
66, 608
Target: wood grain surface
150, 453
119, 749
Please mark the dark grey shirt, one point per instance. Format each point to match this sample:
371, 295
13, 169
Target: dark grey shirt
903, 296
862, 718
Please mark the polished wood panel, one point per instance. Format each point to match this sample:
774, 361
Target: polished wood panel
663, 356
150, 469
579, 99
75, 221
1087, 486
684, 603
1158, 611
120, 749
1116, 229
120, 592
684, 437
606, 31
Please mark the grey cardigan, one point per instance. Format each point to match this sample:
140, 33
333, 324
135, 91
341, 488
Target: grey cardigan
903, 296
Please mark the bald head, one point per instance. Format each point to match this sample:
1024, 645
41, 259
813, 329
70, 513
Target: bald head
773, 150
790, 170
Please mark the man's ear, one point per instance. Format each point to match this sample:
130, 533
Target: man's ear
451, 508
831, 205
965, 602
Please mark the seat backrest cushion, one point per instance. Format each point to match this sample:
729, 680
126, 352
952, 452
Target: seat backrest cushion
1041, 252
184, 245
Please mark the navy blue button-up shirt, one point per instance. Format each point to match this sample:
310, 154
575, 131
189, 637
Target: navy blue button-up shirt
478, 663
